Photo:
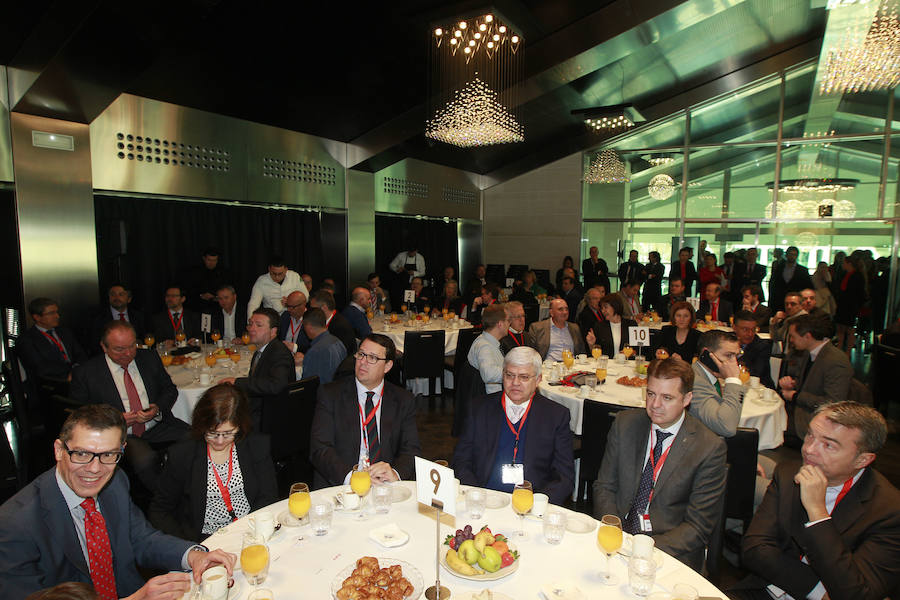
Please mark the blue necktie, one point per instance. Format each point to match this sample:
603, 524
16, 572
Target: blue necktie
642, 497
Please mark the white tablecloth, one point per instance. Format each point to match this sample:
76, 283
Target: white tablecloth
769, 418
306, 568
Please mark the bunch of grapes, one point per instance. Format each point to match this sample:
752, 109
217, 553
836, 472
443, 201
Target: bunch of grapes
463, 535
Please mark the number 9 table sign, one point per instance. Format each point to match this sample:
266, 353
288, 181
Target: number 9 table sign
436, 487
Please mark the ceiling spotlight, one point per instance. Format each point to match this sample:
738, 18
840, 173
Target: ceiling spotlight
605, 118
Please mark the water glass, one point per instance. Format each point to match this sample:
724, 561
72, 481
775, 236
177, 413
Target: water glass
591, 380
475, 502
641, 576
320, 517
381, 497
554, 526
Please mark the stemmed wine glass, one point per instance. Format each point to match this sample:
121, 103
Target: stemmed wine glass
609, 535
522, 501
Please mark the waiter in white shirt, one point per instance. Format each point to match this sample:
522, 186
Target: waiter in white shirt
410, 261
271, 289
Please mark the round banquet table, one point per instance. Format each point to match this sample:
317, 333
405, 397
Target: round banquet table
770, 418
307, 567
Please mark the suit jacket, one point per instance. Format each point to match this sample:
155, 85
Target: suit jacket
855, 554
630, 271
161, 325
546, 453
605, 339
538, 337
756, 359
725, 311
43, 359
667, 339
284, 329
39, 547
690, 275
341, 328
179, 505
627, 313
778, 287
572, 299
104, 316
240, 319
721, 414
828, 380
334, 448
686, 504
587, 321
762, 314
755, 276
595, 274
509, 341
357, 320
274, 370
665, 302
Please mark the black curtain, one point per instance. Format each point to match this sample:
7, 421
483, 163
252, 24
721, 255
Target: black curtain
11, 266
435, 240
149, 242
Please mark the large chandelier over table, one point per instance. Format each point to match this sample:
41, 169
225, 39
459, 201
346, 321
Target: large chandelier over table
476, 65
866, 58
606, 167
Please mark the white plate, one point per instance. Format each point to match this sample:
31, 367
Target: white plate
471, 595
504, 572
579, 523
496, 500
412, 574
400, 493
233, 593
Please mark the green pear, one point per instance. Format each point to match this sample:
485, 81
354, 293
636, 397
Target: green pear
490, 561
468, 552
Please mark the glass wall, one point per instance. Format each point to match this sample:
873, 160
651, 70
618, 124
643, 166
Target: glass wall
825, 187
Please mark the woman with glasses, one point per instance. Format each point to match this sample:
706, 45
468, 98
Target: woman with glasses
219, 476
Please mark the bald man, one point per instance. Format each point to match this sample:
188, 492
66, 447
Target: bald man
355, 312
551, 336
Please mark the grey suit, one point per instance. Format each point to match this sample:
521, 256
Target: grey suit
538, 337
720, 413
686, 504
828, 381
627, 313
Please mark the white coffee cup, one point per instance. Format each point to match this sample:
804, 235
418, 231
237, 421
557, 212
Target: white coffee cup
348, 499
620, 358
754, 382
262, 523
642, 546
769, 395
214, 583
205, 379
585, 391
540, 504
582, 358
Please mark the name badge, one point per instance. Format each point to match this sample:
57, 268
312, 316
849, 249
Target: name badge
513, 474
646, 527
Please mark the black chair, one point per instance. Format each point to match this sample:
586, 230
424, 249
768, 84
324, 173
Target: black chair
713, 565
595, 423
470, 386
885, 364
423, 356
288, 421
741, 486
532, 314
463, 343
516, 271
495, 273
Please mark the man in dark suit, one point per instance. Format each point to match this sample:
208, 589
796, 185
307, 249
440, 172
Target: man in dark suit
338, 325
230, 319
590, 318
753, 272
136, 383
517, 434
52, 531
750, 301
49, 351
176, 318
551, 336
825, 371
515, 335
684, 269
715, 305
290, 328
631, 270
355, 312
271, 368
787, 276
666, 450
755, 351
571, 295
595, 270
204, 280
833, 526
675, 294
489, 294
365, 422
118, 310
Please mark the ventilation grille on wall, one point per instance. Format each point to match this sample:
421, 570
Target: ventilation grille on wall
305, 172
405, 187
458, 196
166, 152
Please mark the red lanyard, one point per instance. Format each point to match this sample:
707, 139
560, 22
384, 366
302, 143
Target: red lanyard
328, 320
515, 431
293, 332
519, 342
176, 326
223, 489
714, 310
58, 345
657, 467
365, 420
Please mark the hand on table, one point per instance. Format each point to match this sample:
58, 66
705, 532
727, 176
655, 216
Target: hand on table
382, 472
200, 560
812, 484
228, 380
171, 586
591, 338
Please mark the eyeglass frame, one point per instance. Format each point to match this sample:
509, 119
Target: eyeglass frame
360, 355
520, 377
223, 435
97, 455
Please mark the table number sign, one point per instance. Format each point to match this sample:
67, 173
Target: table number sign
638, 336
509, 282
206, 323
409, 295
435, 486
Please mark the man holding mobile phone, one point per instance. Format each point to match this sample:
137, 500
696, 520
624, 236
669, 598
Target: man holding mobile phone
717, 404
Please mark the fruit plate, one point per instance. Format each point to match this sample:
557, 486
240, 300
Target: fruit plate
500, 574
412, 574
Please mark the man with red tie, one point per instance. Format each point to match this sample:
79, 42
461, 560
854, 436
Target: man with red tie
76, 522
175, 319
119, 309
714, 305
49, 351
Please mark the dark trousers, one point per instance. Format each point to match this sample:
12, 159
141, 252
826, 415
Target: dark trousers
144, 453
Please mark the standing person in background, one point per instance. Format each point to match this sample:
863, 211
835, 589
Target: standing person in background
787, 276
837, 271
568, 263
851, 294
754, 273
710, 273
822, 285
595, 270
654, 271
204, 280
684, 269
631, 270
272, 289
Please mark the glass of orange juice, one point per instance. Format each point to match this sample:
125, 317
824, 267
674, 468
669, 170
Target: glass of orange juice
251, 348
602, 362
166, 359
245, 338
210, 360
744, 374
522, 501
361, 483
708, 318
403, 308
254, 558
628, 351
568, 358
609, 536
215, 335
299, 503
596, 352
149, 340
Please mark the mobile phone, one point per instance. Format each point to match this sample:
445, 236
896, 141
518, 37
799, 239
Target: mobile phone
707, 359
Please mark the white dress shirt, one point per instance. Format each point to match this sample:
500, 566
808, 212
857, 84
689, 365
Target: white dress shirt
115, 314
616, 330
118, 375
268, 294
401, 260
514, 411
228, 320
376, 399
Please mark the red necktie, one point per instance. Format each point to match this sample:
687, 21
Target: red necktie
121, 316
134, 403
715, 311
99, 552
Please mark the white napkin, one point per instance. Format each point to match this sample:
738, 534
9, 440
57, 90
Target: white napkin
562, 590
389, 536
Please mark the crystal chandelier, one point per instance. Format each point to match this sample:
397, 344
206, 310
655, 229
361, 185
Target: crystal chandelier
661, 187
865, 59
474, 118
606, 168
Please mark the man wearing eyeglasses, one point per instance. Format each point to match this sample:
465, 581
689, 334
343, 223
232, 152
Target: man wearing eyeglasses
136, 383
365, 422
517, 434
76, 522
